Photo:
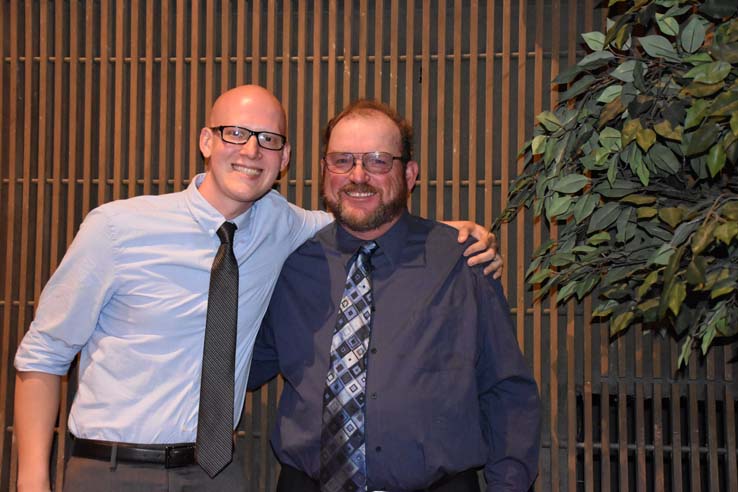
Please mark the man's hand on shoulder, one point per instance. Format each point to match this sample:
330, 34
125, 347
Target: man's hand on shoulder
482, 251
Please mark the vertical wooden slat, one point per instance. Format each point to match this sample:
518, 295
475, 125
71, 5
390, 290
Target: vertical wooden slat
347, 29
712, 440
571, 398
456, 115
537, 226
440, 120
363, 50
179, 94
241, 40
730, 353
378, 49
473, 88
255, 24
286, 70
87, 130
394, 58
300, 107
164, 144
103, 116
271, 42
120, 15
520, 220
194, 92
409, 64
505, 158
39, 141
149, 24
676, 424
331, 82
694, 427
133, 114
424, 155
489, 111
209, 55
315, 107
225, 46
10, 236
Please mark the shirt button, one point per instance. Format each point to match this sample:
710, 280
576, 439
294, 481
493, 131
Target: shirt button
374, 396
378, 449
373, 350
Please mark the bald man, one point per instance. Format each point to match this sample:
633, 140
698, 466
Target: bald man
131, 297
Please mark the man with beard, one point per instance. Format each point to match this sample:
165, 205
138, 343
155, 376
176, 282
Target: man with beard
402, 371
132, 297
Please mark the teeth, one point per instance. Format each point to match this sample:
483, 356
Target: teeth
246, 170
360, 195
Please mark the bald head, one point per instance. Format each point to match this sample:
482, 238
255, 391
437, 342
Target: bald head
247, 102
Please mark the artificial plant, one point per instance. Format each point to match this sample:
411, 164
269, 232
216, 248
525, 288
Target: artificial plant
637, 165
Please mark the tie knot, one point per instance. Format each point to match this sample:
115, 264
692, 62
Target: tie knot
226, 231
368, 248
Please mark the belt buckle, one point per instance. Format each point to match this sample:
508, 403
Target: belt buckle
169, 457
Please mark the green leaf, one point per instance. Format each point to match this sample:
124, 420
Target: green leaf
596, 60
645, 138
668, 25
693, 35
725, 104
703, 237
549, 121
716, 159
730, 210
570, 183
621, 322
686, 351
605, 308
662, 255
630, 131
639, 199
710, 73
695, 274
671, 215
658, 47
540, 276
538, 144
599, 238
722, 288
595, 40
561, 259
624, 71
696, 113
610, 93
726, 231
557, 205
585, 206
621, 226
646, 212
664, 158
734, 123
702, 139
566, 291
665, 129
577, 88
676, 295
707, 338
586, 286
603, 217
698, 89
650, 279
610, 139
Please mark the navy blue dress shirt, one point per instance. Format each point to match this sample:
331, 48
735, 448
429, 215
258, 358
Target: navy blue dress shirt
447, 386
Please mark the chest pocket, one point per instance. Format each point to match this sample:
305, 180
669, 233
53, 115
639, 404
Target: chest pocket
445, 341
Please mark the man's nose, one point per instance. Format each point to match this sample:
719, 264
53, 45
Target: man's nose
358, 174
251, 147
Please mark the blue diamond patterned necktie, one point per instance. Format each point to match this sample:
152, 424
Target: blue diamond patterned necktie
215, 418
342, 446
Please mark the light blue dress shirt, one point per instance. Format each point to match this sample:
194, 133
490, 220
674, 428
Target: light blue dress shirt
131, 297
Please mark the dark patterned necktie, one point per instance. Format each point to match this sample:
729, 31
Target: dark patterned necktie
215, 417
342, 446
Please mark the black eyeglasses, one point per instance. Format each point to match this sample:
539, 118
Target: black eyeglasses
372, 162
239, 135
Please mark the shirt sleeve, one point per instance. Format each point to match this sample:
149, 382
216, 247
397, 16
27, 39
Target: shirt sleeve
265, 361
305, 224
509, 401
71, 301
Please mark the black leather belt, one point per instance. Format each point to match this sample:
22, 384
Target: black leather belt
169, 456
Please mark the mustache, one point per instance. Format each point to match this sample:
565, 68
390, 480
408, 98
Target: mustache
358, 188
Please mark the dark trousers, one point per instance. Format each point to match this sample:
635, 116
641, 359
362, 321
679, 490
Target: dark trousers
91, 475
293, 480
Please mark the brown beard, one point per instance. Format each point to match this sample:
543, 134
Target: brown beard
383, 214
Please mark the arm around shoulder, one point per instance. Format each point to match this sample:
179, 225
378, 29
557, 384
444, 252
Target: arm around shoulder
36, 408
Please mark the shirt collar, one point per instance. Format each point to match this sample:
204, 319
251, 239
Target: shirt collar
206, 216
391, 243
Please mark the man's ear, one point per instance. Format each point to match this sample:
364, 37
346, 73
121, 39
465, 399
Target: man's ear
206, 142
411, 174
286, 153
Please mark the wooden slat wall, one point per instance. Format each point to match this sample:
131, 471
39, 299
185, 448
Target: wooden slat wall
104, 99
